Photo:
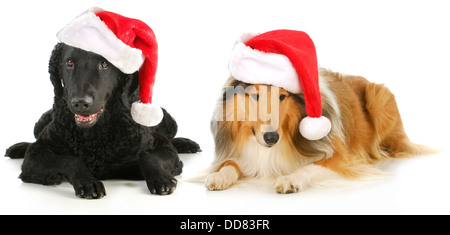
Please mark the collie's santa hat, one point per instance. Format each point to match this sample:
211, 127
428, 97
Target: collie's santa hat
287, 59
129, 44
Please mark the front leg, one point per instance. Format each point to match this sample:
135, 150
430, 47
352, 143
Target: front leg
227, 175
42, 166
303, 178
160, 165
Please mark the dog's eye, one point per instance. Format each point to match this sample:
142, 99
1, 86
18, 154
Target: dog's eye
103, 65
255, 96
69, 63
282, 96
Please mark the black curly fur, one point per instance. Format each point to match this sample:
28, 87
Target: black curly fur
115, 147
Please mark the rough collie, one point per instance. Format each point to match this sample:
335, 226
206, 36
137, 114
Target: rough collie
366, 128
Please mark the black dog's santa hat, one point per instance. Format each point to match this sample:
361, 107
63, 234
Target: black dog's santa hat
129, 44
287, 59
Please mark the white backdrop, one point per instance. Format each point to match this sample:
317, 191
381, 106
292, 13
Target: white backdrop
403, 44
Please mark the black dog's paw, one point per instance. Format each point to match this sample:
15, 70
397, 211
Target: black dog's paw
17, 151
178, 168
89, 188
162, 184
185, 145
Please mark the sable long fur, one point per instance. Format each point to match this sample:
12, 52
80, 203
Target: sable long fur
366, 128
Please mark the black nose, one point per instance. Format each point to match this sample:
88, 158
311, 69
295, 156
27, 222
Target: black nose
271, 138
82, 104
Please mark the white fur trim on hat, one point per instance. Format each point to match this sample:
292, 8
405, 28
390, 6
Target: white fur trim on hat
257, 67
146, 114
90, 33
315, 128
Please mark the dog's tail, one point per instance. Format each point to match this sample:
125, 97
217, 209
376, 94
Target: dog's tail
185, 145
410, 149
383, 111
17, 151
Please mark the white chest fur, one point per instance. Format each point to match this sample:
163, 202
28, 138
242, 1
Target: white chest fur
257, 161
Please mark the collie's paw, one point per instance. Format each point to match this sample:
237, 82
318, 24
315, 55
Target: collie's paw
287, 184
220, 181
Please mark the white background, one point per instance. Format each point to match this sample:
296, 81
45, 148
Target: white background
403, 44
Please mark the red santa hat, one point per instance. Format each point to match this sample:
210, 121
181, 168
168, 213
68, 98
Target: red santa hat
287, 59
129, 44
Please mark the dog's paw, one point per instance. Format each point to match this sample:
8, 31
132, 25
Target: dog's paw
287, 184
220, 180
89, 188
185, 145
162, 185
17, 151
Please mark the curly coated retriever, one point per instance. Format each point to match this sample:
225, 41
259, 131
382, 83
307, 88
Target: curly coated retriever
89, 134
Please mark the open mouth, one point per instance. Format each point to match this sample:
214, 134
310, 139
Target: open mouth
87, 121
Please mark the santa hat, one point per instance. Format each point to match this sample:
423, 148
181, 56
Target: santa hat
128, 44
287, 59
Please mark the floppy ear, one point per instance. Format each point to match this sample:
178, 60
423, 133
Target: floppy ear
130, 84
53, 69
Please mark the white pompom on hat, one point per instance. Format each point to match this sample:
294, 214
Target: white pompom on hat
129, 44
287, 59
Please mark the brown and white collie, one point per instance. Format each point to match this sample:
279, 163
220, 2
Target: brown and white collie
366, 128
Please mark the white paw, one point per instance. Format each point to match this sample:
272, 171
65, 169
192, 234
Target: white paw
288, 184
222, 180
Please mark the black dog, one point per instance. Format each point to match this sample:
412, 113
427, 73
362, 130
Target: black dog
89, 134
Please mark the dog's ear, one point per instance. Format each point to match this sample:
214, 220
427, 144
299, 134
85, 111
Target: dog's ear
130, 87
53, 69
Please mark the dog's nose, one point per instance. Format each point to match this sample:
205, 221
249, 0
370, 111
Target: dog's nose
271, 138
82, 104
